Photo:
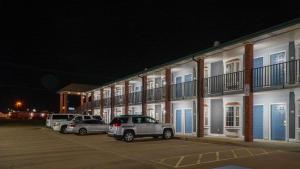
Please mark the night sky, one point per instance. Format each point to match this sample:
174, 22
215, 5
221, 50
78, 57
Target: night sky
45, 46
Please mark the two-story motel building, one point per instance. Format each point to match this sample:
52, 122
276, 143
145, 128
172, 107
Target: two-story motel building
246, 88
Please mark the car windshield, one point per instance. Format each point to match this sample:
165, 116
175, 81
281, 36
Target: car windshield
70, 118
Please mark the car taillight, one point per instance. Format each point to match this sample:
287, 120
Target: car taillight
117, 124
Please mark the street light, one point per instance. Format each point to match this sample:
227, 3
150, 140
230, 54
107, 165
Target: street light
19, 104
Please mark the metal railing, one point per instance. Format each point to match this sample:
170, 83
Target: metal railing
119, 100
279, 75
107, 102
96, 103
135, 98
224, 84
184, 90
156, 94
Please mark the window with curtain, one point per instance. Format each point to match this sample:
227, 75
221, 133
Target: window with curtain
232, 116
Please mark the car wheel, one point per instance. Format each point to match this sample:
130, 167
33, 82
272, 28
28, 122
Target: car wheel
82, 131
128, 136
167, 134
63, 129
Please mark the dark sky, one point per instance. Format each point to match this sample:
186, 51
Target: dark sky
45, 46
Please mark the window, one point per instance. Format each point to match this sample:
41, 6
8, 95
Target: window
79, 118
232, 116
87, 117
206, 116
232, 66
205, 72
138, 119
229, 116
71, 117
149, 120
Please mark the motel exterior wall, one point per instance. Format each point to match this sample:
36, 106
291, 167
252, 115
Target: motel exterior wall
220, 90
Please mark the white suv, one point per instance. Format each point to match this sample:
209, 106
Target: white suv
54, 118
62, 125
128, 127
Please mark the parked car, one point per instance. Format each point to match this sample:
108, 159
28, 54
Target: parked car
128, 127
87, 126
55, 118
62, 125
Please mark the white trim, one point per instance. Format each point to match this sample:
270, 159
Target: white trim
234, 116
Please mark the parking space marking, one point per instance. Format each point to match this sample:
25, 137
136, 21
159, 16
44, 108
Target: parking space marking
211, 157
217, 156
199, 158
251, 154
179, 161
234, 154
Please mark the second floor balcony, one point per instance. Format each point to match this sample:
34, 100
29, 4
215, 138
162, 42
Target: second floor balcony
96, 104
230, 83
119, 100
184, 90
156, 94
107, 102
135, 98
270, 77
277, 76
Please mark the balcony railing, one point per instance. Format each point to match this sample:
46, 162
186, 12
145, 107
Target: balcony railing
224, 84
119, 100
281, 75
135, 98
107, 102
155, 94
184, 90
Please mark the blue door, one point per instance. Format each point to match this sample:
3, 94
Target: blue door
258, 72
277, 122
188, 121
258, 121
277, 68
178, 121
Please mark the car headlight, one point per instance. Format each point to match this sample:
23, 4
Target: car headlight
56, 124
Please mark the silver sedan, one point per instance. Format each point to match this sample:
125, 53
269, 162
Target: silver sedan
87, 126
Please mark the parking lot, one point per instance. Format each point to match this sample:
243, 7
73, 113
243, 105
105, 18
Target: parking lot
35, 147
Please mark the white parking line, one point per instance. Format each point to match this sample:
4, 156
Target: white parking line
249, 152
217, 154
199, 158
234, 154
179, 161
